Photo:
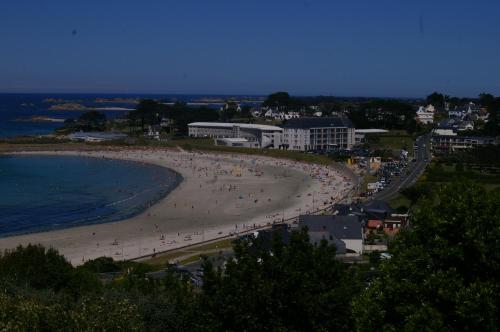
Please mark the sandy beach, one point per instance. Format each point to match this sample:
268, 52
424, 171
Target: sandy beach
221, 194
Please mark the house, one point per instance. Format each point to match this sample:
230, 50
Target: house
457, 112
483, 115
285, 115
375, 224
335, 228
376, 209
462, 111
449, 124
392, 226
270, 112
425, 115
256, 113
264, 239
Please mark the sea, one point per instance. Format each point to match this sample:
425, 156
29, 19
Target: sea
43, 193
18, 110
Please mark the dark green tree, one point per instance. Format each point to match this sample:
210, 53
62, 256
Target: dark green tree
386, 114
295, 287
147, 112
492, 127
485, 99
181, 115
443, 274
36, 267
92, 120
436, 99
278, 99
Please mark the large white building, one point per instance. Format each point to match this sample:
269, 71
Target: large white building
238, 134
318, 134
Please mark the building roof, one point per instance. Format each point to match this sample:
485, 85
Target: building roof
231, 125
317, 237
348, 209
341, 227
316, 122
377, 205
266, 238
375, 223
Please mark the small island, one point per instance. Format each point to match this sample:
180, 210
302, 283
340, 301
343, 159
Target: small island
39, 118
80, 107
69, 107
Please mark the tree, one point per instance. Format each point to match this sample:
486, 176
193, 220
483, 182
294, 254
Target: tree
246, 112
436, 99
229, 111
36, 267
388, 114
443, 274
278, 99
181, 115
486, 99
92, 120
492, 127
295, 287
147, 112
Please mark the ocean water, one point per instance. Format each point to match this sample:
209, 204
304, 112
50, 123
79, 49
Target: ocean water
40, 193
15, 107
23, 106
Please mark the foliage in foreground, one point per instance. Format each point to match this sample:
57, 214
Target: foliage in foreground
443, 275
298, 287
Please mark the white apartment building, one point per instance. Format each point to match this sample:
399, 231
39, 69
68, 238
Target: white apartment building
313, 134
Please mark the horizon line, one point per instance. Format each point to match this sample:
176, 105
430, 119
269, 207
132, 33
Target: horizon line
212, 94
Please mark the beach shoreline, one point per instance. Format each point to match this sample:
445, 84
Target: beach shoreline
221, 194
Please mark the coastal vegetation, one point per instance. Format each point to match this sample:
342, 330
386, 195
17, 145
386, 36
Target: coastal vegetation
429, 283
88, 121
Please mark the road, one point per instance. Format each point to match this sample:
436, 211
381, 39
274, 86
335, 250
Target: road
412, 173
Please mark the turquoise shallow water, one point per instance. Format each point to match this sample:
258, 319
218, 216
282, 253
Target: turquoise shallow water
39, 193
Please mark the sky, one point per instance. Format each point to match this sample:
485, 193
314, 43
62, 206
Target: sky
383, 48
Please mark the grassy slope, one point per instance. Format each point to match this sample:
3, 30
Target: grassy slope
196, 251
394, 140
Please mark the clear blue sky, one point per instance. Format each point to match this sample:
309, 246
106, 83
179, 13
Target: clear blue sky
352, 48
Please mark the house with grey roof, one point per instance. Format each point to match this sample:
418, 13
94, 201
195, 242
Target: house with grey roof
335, 229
